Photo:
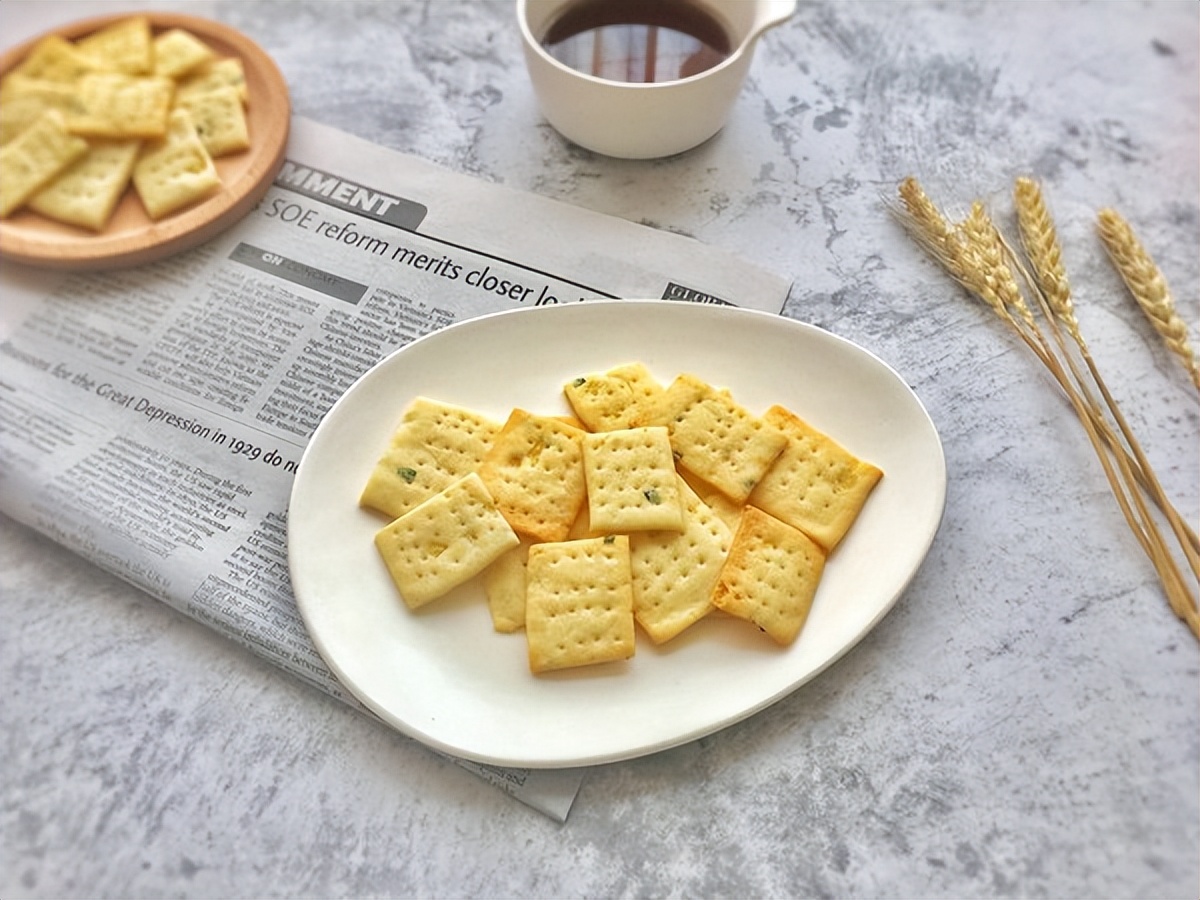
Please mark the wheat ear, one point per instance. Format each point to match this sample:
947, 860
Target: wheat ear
977, 256
1039, 238
1148, 287
990, 261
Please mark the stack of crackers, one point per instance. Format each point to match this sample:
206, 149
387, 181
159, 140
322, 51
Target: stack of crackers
651, 507
82, 120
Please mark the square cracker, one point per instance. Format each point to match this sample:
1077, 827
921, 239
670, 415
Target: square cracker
674, 573
535, 471
434, 445
123, 106
35, 156
714, 437
23, 99
728, 511
613, 399
175, 171
126, 46
631, 481
220, 73
220, 119
815, 485
579, 606
178, 52
54, 58
770, 576
17, 113
444, 542
87, 193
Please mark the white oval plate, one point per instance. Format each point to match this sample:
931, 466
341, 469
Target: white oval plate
443, 676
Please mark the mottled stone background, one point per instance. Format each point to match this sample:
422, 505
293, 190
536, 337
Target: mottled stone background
1023, 724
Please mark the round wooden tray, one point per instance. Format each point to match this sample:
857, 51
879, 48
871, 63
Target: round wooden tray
131, 237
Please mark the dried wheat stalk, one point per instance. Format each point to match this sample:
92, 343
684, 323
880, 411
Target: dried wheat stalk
975, 254
1040, 241
1148, 287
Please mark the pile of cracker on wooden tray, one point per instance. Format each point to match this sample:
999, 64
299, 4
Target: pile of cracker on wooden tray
651, 505
82, 120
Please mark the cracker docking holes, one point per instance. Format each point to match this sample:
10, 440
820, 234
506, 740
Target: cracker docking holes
83, 122
648, 508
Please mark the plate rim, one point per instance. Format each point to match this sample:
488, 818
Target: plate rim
394, 720
188, 227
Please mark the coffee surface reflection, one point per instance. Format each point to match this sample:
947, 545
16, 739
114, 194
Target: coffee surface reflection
637, 41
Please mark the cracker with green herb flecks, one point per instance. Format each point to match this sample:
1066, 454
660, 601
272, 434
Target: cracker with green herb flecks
444, 542
631, 481
220, 73
674, 572
714, 437
435, 444
176, 171
220, 120
613, 399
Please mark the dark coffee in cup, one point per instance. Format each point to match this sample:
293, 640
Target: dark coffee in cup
637, 41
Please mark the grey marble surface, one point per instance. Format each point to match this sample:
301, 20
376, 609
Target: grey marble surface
1023, 724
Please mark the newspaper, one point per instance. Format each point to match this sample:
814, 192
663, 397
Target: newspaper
152, 419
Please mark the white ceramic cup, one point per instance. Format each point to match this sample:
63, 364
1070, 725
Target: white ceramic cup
644, 121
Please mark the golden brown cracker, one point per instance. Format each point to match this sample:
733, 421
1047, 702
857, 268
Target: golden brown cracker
579, 605
534, 469
770, 576
674, 573
714, 437
444, 542
436, 443
815, 485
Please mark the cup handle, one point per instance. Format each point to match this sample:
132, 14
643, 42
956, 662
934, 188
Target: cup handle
770, 13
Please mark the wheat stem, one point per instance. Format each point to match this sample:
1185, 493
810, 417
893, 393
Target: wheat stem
1135, 472
1039, 238
976, 255
1148, 287
1038, 230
